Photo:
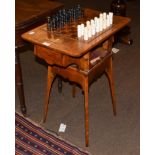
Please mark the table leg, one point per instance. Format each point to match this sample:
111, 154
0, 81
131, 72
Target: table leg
109, 72
85, 88
50, 79
73, 90
19, 83
59, 85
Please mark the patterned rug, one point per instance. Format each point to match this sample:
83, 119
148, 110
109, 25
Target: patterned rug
33, 140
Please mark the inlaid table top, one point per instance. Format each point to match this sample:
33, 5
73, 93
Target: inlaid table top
71, 46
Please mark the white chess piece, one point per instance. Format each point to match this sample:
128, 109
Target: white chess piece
97, 28
101, 15
93, 29
108, 21
100, 23
111, 17
89, 31
82, 29
85, 33
92, 22
104, 24
104, 15
79, 31
87, 23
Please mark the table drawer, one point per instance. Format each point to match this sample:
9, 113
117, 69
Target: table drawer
50, 56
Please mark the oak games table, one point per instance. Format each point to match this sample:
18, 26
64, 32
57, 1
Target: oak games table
28, 14
61, 51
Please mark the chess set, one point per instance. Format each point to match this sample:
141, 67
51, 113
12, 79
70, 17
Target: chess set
73, 23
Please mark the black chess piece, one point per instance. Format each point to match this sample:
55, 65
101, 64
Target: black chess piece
56, 21
60, 18
82, 13
53, 23
49, 28
71, 11
69, 15
63, 19
78, 11
48, 23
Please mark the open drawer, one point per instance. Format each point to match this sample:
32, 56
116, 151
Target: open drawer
99, 60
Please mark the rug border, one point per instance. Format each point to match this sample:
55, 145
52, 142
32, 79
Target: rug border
52, 133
